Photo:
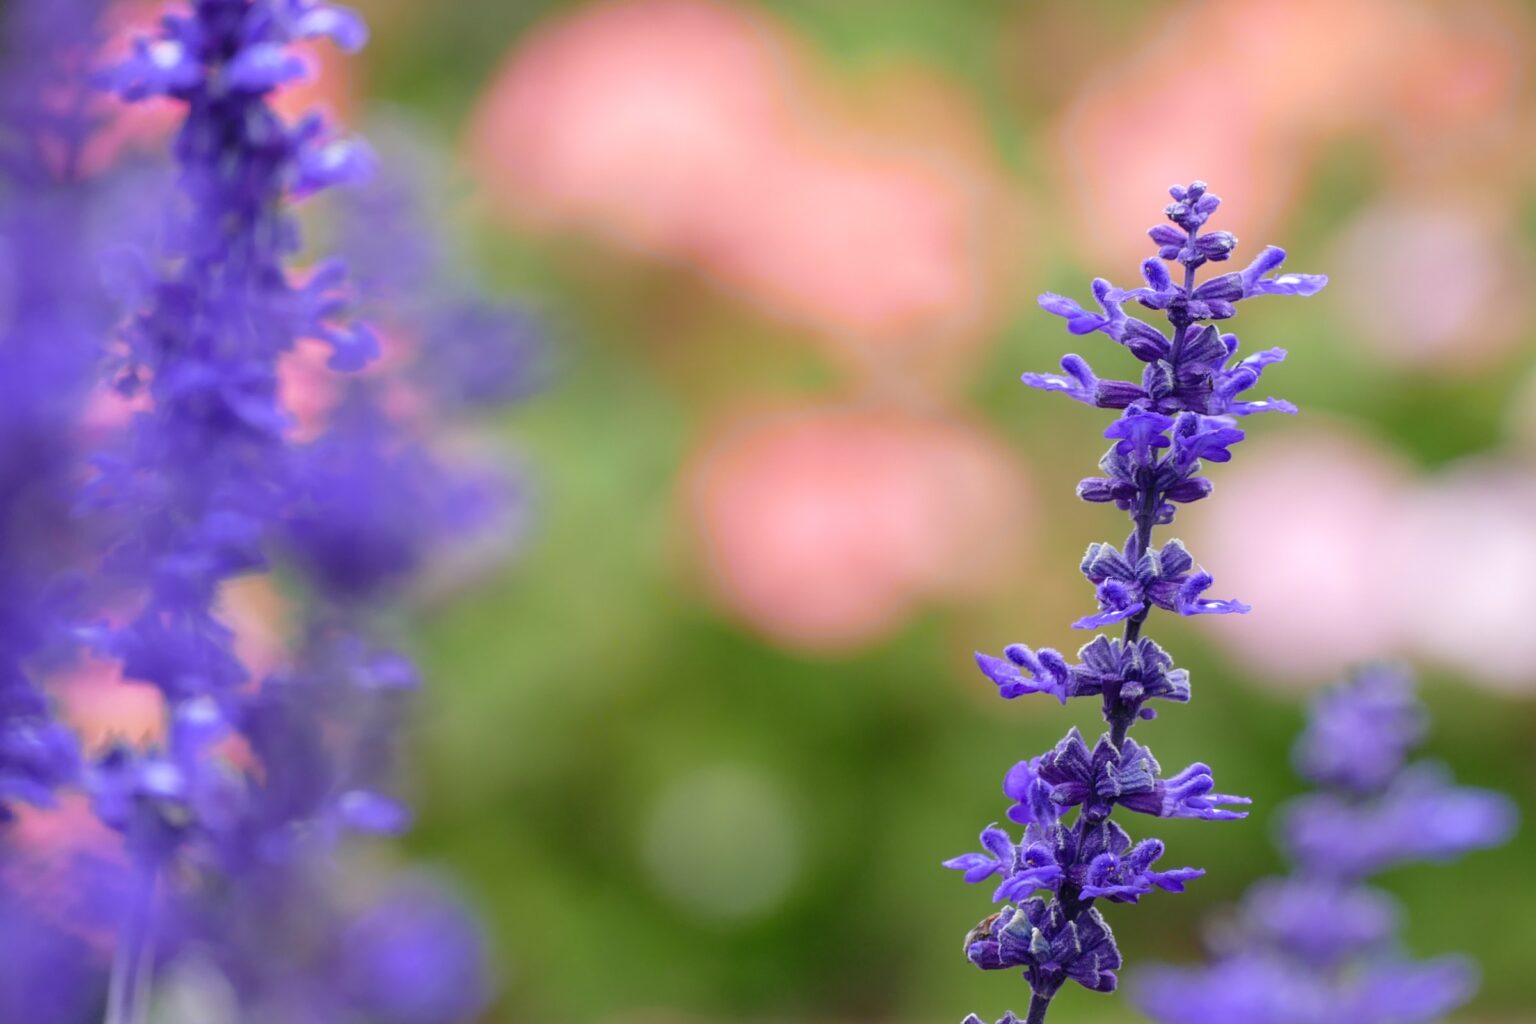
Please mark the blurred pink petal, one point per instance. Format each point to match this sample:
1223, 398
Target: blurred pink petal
866, 245
636, 119
1273, 83
42, 869
1427, 282
101, 708
1298, 528
826, 528
690, 131
1468, 580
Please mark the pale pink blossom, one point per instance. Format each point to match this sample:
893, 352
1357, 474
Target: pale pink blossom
1433, 282
1299, 529
826, 528
698, 134
1436, 86
1466, 579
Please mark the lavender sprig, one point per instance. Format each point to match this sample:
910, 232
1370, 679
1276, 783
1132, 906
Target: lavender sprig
1181, 414
198, 486
54, 316
1319, 945
234, 854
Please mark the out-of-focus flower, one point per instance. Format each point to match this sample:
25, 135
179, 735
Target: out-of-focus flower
1342, 592
280, 735
145, 127
825, 528
1294, 76
1476, 518
1302, 534
54, 316
1434, 282
688, 130
414, 956
1320, 945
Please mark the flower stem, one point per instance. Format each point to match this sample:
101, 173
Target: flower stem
128, 990
1038, 1004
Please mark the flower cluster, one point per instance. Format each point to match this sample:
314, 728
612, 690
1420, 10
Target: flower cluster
231, 820
55, 316
1181, 415
1320, 945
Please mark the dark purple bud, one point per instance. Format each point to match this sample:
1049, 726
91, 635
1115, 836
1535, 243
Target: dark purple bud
1146, 342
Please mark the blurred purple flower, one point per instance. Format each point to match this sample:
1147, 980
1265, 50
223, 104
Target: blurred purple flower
1320, 946
233, 822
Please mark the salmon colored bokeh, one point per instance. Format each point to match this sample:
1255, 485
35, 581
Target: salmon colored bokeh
1346, 556
826, 528
1433, 281
701, 134
1466, 581
1268, 88
1296, 529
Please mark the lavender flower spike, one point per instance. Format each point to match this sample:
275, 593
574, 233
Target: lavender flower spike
1319, 945
1181, 414
234, 857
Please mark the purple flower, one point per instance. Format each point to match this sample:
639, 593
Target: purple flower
1255, 283
1422, 815
1024, 867
1131, 673
1319, 946
1161, 577
1022, 671
207, 484
1179, 416
1122, 872
1208, 438
416, 956
37, 756
1052, 949
1320, 921
1259, 989
1030, 793
1361, 735
1001, 856
1129, 776
1138, 433
57, 315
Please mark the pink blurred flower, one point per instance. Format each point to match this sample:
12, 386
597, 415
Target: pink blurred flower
633, 119
60, 862
1272, 83
1433, 282
689, 131
1467, 583
825, 528
1301, 532
100, 707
